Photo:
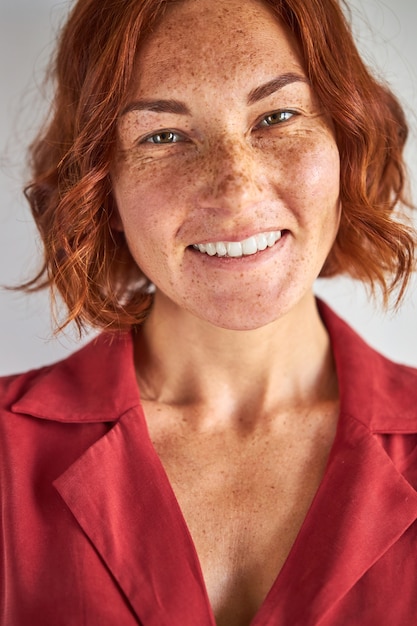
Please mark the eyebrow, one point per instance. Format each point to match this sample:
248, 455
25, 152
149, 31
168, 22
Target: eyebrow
263, 91
179, 108
158, 106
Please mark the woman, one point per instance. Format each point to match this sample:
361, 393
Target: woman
204, 163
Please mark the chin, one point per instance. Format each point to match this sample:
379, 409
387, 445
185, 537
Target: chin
245, 315
240, 322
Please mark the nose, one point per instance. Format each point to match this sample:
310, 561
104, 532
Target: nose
231, 176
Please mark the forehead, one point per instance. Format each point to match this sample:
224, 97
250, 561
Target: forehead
199, 36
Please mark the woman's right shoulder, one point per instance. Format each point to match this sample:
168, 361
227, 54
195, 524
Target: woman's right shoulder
14, 386
95, 383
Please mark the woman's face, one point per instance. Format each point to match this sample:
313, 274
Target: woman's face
227, 172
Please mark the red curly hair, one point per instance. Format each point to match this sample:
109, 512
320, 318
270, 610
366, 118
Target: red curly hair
70, 195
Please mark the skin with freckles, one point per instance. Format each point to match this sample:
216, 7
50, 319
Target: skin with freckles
225, 170
222, 139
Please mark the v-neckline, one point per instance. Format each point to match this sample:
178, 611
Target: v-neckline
260, 617
295, 580
120, 495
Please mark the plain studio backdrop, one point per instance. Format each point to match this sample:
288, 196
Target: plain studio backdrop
386, 34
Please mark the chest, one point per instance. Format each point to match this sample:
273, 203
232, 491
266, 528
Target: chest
244, 503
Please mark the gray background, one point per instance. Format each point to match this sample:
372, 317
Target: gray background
386, 34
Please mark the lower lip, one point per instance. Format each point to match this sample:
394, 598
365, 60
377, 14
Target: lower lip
227, 262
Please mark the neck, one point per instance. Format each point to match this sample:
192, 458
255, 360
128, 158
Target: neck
184, 361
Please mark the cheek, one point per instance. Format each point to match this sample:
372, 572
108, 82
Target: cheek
311, 176
310, 159
303, 170
149, 216
136, 194
155, 189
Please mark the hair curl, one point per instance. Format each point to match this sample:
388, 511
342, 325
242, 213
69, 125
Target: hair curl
70, 195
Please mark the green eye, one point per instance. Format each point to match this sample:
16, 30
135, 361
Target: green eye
277, 118
164, 137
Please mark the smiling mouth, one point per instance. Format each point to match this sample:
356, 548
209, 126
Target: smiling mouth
236, 249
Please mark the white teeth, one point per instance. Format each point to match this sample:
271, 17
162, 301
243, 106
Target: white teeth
237, 249
221, 249
271, 240
249, 246
234, 248
262, 241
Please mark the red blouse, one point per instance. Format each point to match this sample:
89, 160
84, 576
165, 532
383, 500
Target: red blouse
92, 534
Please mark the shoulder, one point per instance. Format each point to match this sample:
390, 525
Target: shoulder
14, 386
373, 388
95, 383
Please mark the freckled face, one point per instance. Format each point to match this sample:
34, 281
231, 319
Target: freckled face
222, 144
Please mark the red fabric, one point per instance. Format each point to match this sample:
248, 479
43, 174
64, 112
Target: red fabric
92, 533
